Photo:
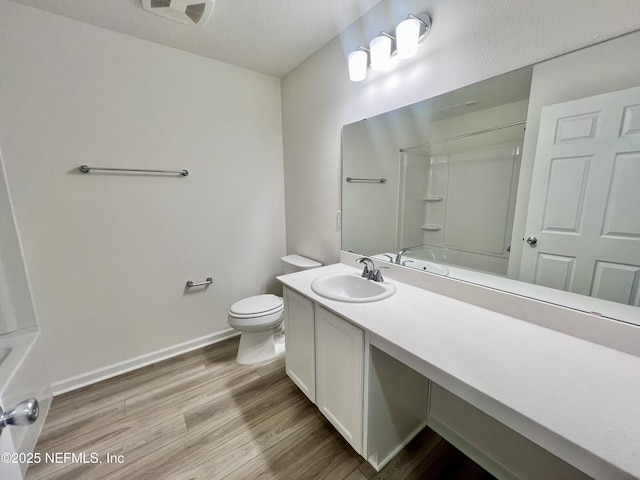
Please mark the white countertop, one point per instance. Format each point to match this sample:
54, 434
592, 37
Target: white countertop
577, 399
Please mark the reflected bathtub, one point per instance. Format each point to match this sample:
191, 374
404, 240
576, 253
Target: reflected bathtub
416, 263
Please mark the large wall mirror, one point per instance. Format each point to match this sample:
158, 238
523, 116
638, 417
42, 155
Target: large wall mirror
528, 182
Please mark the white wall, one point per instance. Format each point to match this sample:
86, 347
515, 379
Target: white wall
470, 41
109, 255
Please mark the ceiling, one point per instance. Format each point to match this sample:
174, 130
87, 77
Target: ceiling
267, 36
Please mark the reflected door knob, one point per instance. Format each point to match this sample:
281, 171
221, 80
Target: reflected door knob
532, 240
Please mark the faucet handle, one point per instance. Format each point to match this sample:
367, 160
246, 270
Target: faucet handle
366, 273
377, 274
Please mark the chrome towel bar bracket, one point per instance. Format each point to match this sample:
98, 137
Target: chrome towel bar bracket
208, 281
87, 169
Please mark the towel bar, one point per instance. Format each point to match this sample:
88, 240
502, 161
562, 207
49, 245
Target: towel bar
366, 180
87, 169
208, 281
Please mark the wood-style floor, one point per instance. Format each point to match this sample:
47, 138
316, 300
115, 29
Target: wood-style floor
202, 416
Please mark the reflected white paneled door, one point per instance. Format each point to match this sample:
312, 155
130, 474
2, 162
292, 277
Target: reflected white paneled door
584, 209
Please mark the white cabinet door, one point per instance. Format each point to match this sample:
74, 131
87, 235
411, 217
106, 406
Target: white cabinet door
300, 342
585, 201
339, 374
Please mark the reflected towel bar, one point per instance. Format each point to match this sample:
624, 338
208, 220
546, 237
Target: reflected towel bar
87, 169
208, 281
367, 180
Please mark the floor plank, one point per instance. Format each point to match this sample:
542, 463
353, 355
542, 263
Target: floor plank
201, 416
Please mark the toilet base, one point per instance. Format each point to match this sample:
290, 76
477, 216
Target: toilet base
259, 347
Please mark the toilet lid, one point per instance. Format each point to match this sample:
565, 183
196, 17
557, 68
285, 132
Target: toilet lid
259, 304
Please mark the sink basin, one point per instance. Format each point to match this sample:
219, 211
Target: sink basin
352, 288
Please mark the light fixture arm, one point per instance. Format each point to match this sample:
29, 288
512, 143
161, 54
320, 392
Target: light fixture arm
365, 49
368, 52
425, 21
394, 47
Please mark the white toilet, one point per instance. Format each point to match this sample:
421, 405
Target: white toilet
260, 319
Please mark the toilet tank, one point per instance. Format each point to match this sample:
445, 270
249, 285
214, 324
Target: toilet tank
297, 263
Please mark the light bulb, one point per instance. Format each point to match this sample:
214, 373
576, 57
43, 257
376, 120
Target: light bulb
407, 37
380, 52
357, 65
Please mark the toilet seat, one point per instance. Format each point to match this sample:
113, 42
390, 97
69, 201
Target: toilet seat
257, 306
259, 313
256, 323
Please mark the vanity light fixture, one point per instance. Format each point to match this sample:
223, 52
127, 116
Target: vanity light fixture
409, 33
358, 63
381, 51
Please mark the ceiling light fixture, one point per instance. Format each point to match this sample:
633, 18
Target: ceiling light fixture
409, 33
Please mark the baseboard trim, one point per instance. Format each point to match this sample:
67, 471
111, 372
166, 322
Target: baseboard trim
103, 373
380, 465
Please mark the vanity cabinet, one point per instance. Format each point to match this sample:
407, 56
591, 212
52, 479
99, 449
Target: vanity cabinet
381, 373
325, 359
339, 374
329, 359
299, 326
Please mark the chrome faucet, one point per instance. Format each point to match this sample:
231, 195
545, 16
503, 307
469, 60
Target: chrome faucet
369, 267
370, 271
400, 254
